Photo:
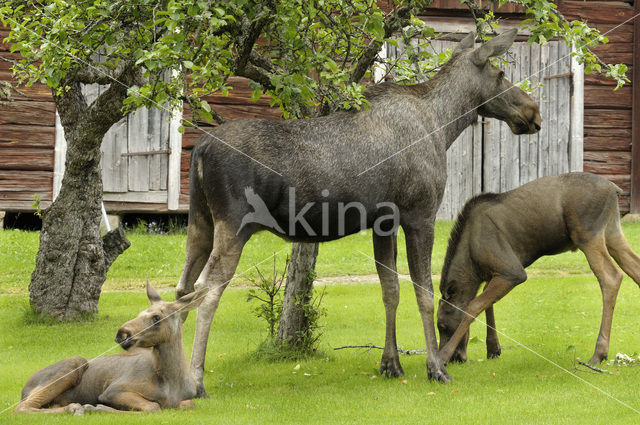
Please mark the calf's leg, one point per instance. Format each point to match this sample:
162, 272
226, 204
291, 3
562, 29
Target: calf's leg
493, 345
47, 384
385, 251
419, 237
497, 288
620, 250
609, 278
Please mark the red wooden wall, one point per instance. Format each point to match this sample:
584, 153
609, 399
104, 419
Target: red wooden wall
27, 124
27, 133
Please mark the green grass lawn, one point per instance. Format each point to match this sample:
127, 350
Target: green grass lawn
160, 258
556, 312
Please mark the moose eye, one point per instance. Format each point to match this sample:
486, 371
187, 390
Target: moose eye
156, 319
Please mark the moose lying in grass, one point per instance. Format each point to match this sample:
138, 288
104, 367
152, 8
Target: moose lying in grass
150, 376
496, 236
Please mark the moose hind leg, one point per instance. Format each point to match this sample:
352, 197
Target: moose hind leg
620, 250
49, 383
385, 251
216, 275
419, 239
609, 278
199, 246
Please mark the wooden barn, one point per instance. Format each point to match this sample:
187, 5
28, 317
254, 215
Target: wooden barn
586, 125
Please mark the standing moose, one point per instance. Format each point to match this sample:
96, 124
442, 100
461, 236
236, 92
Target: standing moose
315, 179
150, 376
496, 236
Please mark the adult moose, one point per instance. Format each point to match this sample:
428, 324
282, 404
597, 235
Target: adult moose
496, 236
151, 375
311, 176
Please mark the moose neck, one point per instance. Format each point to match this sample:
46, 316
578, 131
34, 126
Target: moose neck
170, 362
451, 102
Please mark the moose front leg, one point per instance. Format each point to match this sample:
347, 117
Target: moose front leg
419, 237
497, 288
385, 251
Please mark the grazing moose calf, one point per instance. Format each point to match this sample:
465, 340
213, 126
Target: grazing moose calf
496, 236
151, 375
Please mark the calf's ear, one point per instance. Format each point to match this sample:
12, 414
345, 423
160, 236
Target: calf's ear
191, 301
495, 47
152, 294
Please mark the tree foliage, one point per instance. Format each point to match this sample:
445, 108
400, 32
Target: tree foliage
307, 55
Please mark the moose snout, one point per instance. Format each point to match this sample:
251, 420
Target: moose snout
123, 338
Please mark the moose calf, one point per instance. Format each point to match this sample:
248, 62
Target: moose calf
496, 236
151, 375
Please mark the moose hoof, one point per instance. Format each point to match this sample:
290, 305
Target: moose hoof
438, 375
201, 392
390, 367
76, 409
597, 359
494, 352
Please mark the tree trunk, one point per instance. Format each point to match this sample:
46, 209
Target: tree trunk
297, 293
73, 259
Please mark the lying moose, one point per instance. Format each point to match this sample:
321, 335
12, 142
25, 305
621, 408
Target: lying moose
496, 236
151, 375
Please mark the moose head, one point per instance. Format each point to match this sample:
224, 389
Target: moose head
499, 98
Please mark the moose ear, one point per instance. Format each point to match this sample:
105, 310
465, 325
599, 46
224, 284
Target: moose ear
495, 47
152, 294
191, 301
465, 43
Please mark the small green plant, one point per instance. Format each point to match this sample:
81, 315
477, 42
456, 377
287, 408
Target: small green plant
39, 212
307, 340
267, 292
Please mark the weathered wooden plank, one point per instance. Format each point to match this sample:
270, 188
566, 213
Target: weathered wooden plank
114, 166
607, 118
509, 144
26, 159
23, 112
544, 102
601, 79
491, 156
529, 146
477, 156
607, 12
607, 132
137, 131
25, 181
607, 162
607, 143
563, 108
603, 97
27, 136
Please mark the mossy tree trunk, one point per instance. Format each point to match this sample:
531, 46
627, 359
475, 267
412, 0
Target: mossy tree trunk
297, 293
73, 258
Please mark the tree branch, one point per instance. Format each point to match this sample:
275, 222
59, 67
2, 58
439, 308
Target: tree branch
99, 73
114, 243
393, 22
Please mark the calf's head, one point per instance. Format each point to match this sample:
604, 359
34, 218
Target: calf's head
500, 99
451, 306
158, 324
